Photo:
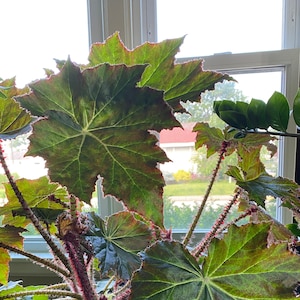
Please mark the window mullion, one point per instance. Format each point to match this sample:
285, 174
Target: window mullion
291, 23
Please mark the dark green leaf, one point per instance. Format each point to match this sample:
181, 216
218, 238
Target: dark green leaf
117, 241
278, 112
296, 108
169, 271
256, 113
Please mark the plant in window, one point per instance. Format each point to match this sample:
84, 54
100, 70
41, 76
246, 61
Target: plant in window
102, 119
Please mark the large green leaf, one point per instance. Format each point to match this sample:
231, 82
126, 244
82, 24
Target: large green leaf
9, 236
98, 122
182, 81
117, 241
239, 266
13, 119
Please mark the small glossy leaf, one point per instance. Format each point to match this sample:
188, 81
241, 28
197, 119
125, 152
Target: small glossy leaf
256, 113
234, 119
296, 108
117, 241
278, 112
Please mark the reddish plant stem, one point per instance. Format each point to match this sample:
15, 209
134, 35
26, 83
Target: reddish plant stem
29, 213
217, 225
73, 247
207, 193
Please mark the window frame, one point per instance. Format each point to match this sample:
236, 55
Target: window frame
137, 24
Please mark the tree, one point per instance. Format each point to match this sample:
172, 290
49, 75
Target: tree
203, 111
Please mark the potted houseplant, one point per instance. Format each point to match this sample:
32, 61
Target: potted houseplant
102, 119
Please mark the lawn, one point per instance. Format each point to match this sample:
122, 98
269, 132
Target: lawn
196, 188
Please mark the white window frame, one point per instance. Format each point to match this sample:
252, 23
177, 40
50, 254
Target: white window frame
136, 22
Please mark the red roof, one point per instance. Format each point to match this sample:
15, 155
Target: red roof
178, 135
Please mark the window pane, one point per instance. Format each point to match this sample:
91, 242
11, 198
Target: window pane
35, 32
217, 26
188, 175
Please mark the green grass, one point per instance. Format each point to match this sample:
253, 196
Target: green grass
196, 188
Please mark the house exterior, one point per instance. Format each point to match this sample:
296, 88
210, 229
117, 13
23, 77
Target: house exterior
179, 145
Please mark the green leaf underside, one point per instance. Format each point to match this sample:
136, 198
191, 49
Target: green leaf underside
117, 241
266, 185
239, 266
13, 119
184, 81
98, 122
36, 193
9, 236
213, 138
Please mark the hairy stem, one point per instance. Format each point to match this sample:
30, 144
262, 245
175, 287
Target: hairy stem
243, 215
72, 244
207, 193
29, 213
209, 236
38, 260
53, 292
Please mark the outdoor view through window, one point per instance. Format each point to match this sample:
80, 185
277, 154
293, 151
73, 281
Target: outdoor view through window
40, 31
233, 31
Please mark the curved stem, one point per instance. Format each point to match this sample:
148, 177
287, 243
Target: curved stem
45, 291
29, 213
38, 260
207, 193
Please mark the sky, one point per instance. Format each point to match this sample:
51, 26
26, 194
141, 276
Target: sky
216, 26
33, 32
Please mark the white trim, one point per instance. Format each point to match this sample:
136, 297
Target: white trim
134, 19
291, 24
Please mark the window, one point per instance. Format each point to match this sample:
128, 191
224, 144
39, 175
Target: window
33, 34
216, 26
235, 32
138, 21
